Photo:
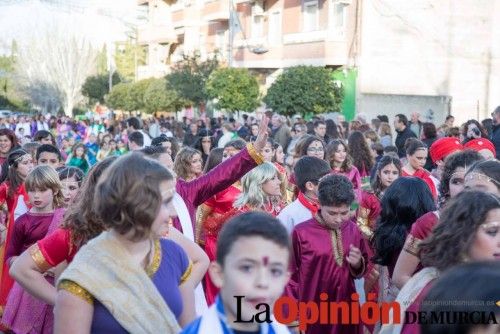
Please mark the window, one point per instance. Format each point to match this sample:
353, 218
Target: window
220, 40
275, 28
311, 16
339, 14
257, 26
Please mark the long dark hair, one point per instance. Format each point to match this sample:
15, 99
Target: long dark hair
386, 160
406, 200
360, 152
214, 158
9, 171
459, 221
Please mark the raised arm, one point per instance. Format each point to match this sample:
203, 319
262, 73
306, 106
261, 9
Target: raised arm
226, 173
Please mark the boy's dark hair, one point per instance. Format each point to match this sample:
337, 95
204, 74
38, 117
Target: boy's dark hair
318, 123
481, 280
41, 134
48, 148
403, 119
383, 118
137, 138
335, 190
134, 123
250, 224
378, 148
390, 148
310, 169
449, 116
238, 144
153, 151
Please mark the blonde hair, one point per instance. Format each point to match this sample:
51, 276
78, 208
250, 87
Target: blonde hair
385, 129
45, 177
252, 193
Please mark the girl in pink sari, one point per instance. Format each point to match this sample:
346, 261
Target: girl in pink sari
341, 163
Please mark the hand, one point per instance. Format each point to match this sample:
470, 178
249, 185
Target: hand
261, 140
354, 257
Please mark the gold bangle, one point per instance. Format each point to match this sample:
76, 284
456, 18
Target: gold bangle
256, 156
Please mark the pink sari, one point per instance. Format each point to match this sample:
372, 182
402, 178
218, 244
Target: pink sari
25, 314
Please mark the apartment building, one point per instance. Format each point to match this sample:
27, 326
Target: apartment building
267, 35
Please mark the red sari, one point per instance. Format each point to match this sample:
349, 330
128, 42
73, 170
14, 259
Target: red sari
215, 225
426, 177
6, 281
368, 213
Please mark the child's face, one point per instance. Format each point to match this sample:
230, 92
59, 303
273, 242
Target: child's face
41, 199
50, 159
70, 190
334, 216
79, 152
255, 268
112, 145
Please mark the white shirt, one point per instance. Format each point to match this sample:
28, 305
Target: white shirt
294, 214
147, 138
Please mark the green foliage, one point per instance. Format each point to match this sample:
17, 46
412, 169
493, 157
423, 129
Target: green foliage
304, 90
234, 88
136, 94
160, 97
97, 86
189, 76
118, 98
127, 56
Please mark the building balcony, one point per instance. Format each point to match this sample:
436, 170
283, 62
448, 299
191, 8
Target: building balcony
156, 34
216, 11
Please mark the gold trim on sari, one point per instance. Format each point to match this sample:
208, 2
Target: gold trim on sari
38, 258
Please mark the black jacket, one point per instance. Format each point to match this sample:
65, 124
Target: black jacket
495, 139
401, 139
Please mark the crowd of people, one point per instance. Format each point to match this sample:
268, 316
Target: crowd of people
154, 225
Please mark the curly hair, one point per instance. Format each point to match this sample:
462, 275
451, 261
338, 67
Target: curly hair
182, 162
330, 153
463, 159
459, 221
377, 186
465, 129
360, 152
80, 217
128, 195
335, 190
252, 193
406, 200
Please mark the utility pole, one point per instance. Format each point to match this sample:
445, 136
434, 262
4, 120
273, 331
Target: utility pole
231, 34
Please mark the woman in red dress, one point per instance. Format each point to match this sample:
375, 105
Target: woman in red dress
14, 172
416, 154
260, 191
452, 183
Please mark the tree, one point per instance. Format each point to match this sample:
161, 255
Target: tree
189, 76
304, 90
159, 96
136, 93
96, 86
58, 60
234, 88
119, 97
128, 55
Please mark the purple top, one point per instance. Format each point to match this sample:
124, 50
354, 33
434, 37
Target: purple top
173, 265
199, 190
28, 229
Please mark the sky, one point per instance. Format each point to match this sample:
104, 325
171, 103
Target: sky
100, 21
